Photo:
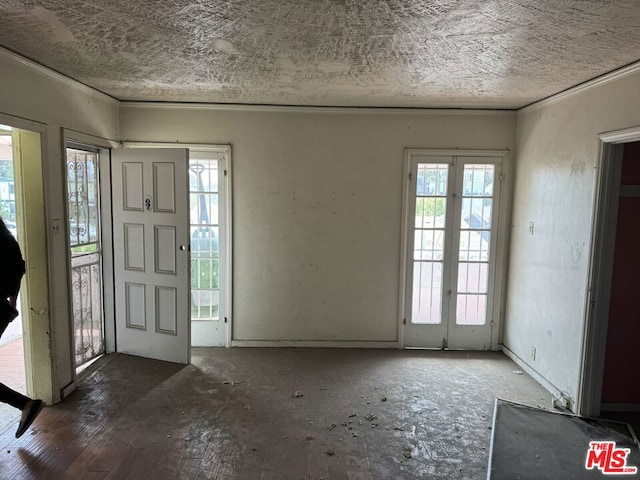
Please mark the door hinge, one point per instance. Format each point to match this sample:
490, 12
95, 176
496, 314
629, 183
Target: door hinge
501, 177
225, 172
444, 344
411, 176
225, 319
404, 321
450, 292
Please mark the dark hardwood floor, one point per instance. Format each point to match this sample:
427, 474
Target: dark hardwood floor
275, 414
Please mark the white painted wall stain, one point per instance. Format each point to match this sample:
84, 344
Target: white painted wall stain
548, 272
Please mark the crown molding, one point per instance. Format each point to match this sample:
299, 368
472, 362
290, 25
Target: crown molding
603, 79
46, 71
314, 109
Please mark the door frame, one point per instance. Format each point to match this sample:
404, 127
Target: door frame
502, 231
602, 247
226, 215
40, 341
104, 147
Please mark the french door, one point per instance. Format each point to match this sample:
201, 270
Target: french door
451, 239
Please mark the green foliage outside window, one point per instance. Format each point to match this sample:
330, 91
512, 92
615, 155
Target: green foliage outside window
429, 207
204, 273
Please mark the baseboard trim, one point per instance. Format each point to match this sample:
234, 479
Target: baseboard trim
313, 344
557, 393
620, 407
67, 390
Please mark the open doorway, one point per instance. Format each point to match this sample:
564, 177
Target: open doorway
611, 321
12, 366
208, 227
23, 192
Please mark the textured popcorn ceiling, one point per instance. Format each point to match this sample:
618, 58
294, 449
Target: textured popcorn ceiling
434, 53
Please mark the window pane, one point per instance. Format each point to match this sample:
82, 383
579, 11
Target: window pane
427, 293
430, 212
428, 245
432, 179
471, 309
476, 213
474, 245
473, 277
478, 180
203, 176
82, 197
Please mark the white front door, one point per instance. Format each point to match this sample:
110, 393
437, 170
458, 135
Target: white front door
452, 215
151, 253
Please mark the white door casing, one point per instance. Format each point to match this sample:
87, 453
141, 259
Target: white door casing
151, 253
451, 226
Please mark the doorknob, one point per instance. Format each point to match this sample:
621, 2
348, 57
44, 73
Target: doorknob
183, 247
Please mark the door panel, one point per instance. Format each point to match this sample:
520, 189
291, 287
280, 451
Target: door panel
150, 229
451, 271
431, 221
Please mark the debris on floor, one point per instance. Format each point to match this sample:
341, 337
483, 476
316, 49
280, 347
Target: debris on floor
518, 372
309, 437
383, 399
229, 382
332, 426
371, 417
407, 453
351, 415
298, 394
331, 452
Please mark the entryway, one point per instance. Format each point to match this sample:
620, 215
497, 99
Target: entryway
611, 329
171, 208
24, 361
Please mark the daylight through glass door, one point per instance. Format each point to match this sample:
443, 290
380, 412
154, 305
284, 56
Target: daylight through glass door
451, 239
86, 253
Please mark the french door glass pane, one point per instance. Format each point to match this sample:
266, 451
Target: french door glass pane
472, 277
475, 238
471, 309
427, 293
428, 246
82, 199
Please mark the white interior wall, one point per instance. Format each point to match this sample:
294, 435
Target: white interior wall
33, 93
557, 150
317, 208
